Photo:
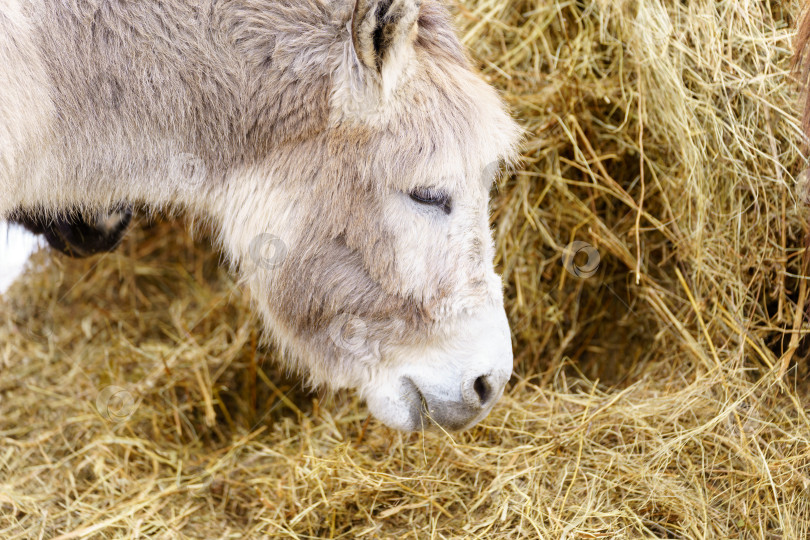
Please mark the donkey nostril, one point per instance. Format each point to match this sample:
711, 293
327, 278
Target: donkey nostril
482, 389
479, 393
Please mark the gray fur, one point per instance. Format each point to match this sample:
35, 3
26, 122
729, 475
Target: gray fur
287, 118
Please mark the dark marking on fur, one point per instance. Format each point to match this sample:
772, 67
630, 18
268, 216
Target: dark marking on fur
73, 234
381, 37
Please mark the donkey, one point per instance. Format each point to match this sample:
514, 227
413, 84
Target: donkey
338, 149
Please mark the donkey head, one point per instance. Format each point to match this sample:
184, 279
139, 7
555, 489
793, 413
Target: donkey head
382, 276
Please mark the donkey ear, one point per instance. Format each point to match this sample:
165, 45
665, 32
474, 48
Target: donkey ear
382, 30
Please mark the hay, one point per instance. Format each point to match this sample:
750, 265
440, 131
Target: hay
665, 396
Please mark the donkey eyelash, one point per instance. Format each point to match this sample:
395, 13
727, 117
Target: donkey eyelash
433, 197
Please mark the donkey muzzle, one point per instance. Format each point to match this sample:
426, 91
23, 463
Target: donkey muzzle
449, 385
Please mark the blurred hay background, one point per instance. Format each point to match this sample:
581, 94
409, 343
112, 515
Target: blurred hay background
665, 396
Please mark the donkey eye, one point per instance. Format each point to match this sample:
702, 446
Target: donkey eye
433, 197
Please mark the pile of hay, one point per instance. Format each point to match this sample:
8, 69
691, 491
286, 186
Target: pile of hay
666, 395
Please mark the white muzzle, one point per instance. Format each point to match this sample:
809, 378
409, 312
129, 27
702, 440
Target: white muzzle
452, 383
